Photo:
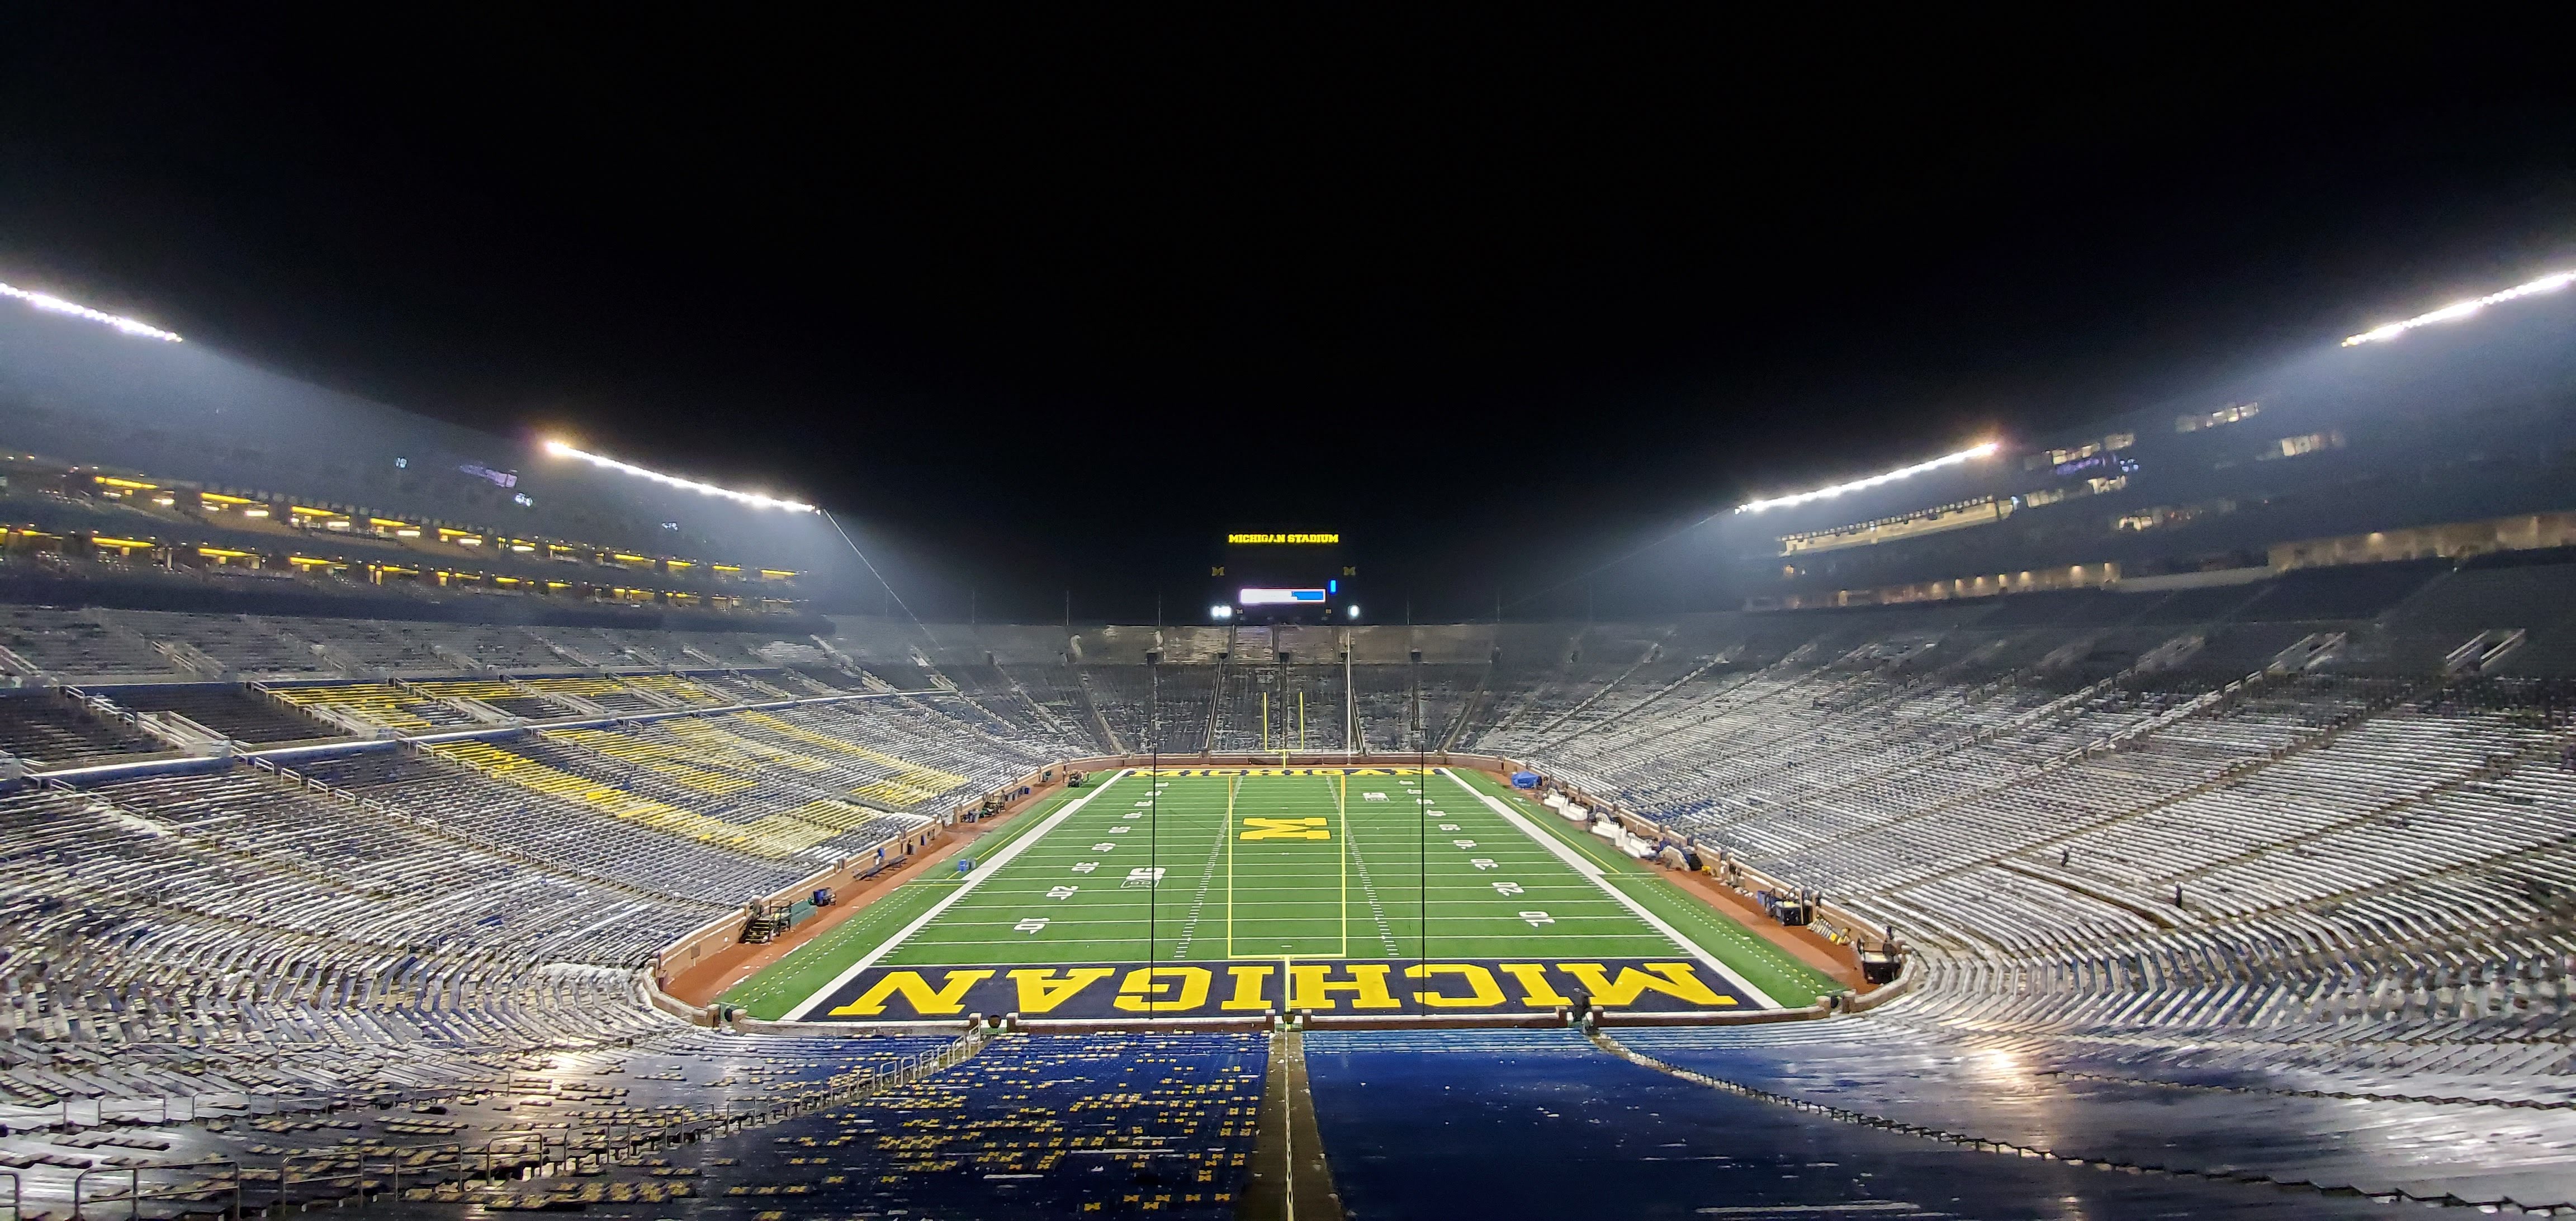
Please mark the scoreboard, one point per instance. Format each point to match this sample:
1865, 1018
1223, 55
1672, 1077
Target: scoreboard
1284, 576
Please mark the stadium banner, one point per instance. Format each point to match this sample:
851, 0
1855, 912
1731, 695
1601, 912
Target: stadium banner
1247, 987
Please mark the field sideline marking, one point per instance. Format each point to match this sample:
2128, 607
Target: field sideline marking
1602, 880
983, 871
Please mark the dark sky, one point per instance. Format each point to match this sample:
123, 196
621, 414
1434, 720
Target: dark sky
1051, 306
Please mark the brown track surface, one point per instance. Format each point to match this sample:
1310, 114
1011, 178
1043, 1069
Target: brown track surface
714, 974
1839, 963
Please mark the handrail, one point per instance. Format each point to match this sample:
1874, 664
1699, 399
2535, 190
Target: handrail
134, 1193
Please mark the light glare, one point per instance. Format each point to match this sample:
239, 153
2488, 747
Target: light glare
2462, 309
754, 499
1782, 502
54, 304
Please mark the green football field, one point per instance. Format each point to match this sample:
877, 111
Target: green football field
1200, 868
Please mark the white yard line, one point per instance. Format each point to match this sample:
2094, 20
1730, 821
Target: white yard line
1575, 860
1198, 903
982, 871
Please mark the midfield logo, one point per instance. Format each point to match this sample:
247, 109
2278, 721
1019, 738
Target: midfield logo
1287, 828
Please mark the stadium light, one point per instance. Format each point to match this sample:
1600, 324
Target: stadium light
54, 304
754, 499
1220, 612
1355, 610
2462, 309
1782, 502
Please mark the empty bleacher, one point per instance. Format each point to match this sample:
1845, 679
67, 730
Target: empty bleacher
80, 644
566, 831
240, 644
2127, 870
46, 728
236, 712
1029, 1128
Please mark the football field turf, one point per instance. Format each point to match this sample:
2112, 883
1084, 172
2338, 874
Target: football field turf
1222, 891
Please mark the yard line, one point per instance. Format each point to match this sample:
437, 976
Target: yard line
1368, 887
1207, 873
1229, 865
1594, 872
1518, 941
1004, 857
1342, 815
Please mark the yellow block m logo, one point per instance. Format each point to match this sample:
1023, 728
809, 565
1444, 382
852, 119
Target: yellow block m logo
1287, 828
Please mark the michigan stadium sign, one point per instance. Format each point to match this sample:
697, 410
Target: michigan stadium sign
1256, 539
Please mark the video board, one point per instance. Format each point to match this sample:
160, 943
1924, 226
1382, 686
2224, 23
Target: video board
1259, 596
1279, 576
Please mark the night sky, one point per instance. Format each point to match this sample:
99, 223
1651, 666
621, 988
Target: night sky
1052, 306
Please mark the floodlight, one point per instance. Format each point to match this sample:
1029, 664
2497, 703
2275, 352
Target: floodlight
2462, 309
754, 499
54, 304
1782, 502
1355, 611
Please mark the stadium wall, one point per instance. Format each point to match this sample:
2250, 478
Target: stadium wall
873, 638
